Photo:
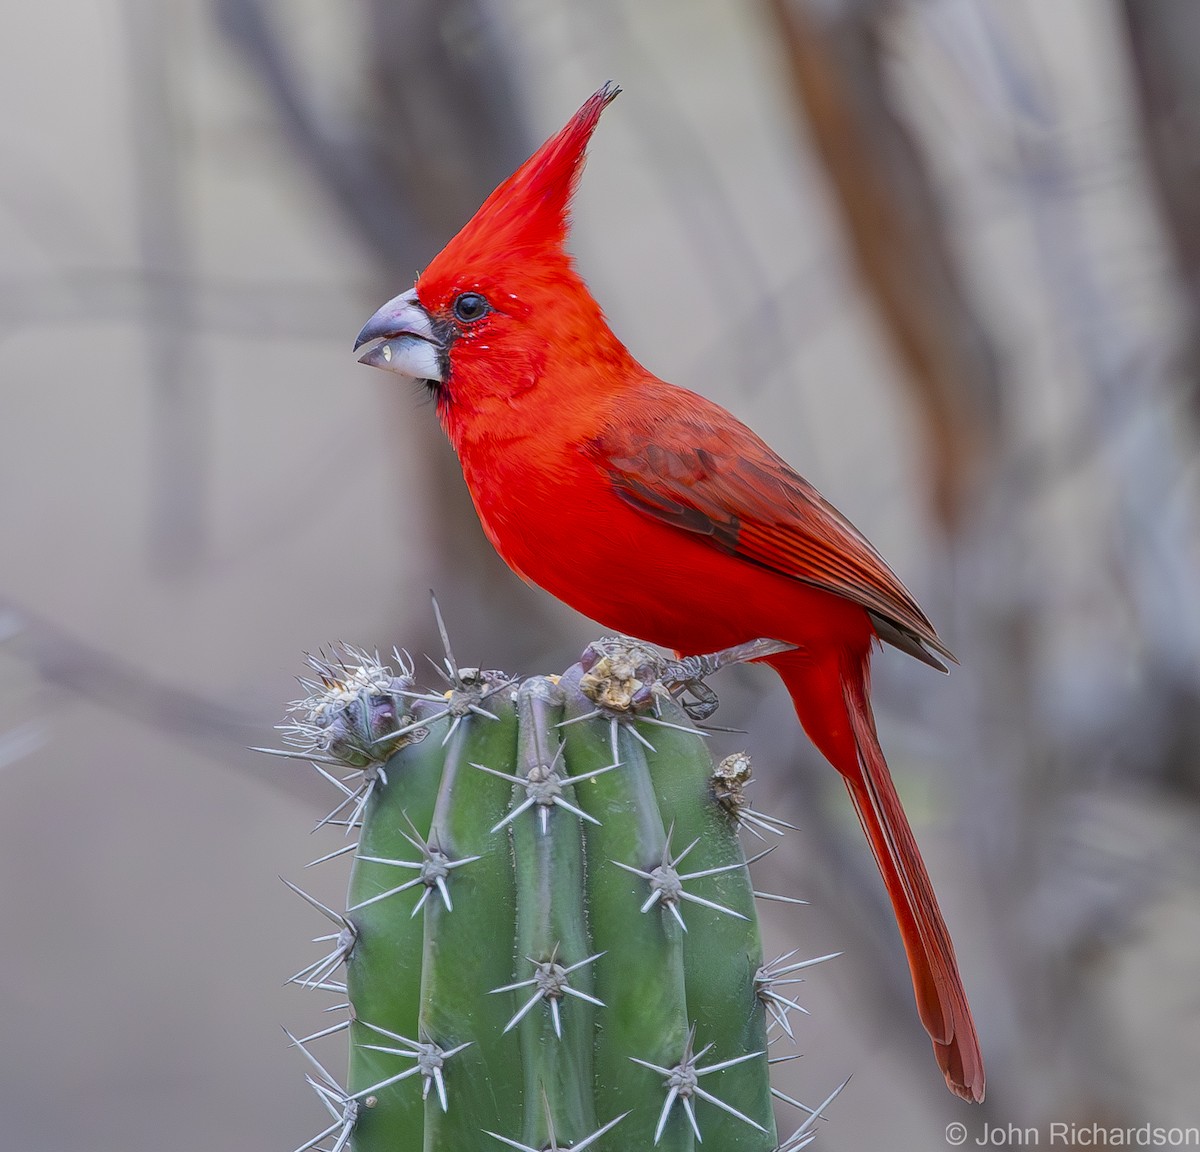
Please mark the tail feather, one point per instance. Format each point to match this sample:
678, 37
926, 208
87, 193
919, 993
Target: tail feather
843, 729
941, 998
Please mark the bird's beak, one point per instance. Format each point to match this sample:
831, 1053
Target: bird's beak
402, 340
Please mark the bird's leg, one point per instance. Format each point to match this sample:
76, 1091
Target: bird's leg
688, 673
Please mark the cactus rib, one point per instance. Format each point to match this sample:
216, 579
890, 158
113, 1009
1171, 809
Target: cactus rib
550, 939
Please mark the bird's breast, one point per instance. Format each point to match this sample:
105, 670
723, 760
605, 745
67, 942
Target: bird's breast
558, 523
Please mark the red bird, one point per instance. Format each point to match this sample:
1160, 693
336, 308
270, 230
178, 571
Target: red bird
657, 513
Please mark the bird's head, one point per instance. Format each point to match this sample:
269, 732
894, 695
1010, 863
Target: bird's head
482, 319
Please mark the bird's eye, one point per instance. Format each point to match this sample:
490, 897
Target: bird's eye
470, 306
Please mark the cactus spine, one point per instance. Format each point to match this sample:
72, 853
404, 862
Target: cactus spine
550, 939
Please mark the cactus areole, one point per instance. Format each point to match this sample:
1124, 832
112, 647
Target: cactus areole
550, 939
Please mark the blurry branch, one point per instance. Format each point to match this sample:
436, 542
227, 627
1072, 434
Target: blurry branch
344, 170
80, 669
1064, 741
264, 310
178, 439
1126, 389
897, 235
443, 124
1058, 791
440, 128
1165, 39
771, 319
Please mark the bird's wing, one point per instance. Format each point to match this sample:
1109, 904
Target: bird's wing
704, 472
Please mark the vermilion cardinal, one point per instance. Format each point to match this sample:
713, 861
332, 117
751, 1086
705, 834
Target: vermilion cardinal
658, 514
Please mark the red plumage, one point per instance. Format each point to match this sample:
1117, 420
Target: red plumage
658, 514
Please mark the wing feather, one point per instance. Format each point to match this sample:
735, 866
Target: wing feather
715, 478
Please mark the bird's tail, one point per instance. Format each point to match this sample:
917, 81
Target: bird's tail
835, 710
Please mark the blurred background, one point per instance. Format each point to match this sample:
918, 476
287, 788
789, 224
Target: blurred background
944, 253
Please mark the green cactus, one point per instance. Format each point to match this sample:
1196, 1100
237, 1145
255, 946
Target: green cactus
550, 939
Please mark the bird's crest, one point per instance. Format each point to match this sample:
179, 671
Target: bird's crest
527, 216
